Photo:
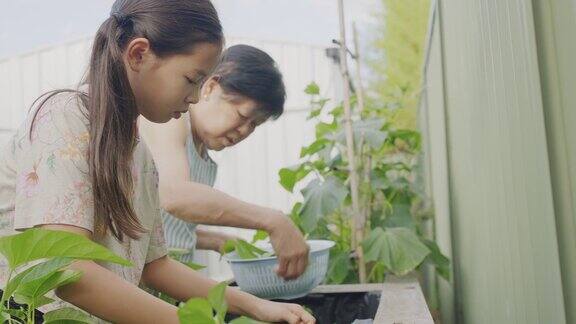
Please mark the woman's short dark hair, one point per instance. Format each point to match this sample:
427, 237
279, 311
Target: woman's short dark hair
250, 72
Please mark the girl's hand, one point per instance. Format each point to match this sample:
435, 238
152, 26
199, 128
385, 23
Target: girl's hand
269, 311
290, 247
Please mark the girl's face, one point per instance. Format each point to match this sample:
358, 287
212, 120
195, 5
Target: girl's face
165, 87
221, 120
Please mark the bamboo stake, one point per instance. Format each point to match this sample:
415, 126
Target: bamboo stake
357, 215
357, 58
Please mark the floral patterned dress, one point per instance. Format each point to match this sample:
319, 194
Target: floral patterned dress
44, 180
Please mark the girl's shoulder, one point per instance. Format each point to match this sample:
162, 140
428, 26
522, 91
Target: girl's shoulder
58, 110
57, 120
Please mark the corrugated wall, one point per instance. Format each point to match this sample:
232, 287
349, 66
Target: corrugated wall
555, 26
247, 171
495, 186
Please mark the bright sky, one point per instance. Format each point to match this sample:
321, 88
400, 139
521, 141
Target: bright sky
26, 25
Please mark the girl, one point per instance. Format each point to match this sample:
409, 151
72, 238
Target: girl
77, 164
245, 90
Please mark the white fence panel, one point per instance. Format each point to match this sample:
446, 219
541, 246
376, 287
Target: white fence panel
248, 171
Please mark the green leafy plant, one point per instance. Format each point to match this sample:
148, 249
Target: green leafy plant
51, 252
244, 249
38, 261
390, 203
211, 310
395, 57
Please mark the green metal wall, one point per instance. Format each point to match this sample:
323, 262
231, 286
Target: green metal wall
501, 148
555, 22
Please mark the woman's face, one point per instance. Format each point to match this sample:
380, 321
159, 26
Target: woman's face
165, 87
221, 120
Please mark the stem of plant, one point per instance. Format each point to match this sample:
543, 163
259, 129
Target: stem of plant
3, 299
30, 314
357, 215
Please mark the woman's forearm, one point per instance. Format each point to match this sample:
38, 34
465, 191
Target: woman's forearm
202, 204
192, 284
209, 240
104, 294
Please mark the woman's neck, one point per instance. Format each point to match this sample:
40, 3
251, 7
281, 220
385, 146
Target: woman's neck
198, 144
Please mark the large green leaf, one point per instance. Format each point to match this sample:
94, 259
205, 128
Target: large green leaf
15, 313
369, 129
440, 261
339, 267
379, 180
67, 315
312, 89
315, 147
290, 176
177, 255
412, 138
229, 246
321, 199
197, 311
36, 272
400, 217
377, 273
399, 249
37, 288
325, 128
244, 249
260, 235
35, 244
217, 300
194, 266
295, 216
37, 302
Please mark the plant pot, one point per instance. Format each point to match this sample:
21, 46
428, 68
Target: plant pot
396, 301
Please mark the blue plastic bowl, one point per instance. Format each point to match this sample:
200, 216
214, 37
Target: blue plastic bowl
258, 276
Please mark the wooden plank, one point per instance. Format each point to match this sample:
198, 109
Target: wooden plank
401, 300
336, 289
403, 303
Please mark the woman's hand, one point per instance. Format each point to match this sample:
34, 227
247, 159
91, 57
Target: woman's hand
269, 311
290, 247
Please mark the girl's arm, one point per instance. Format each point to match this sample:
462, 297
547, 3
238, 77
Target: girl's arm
182, 283
102, 293
202, 204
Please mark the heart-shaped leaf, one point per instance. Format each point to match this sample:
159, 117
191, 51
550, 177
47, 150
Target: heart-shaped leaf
196, 310
370, 130
321, 199
35, 244
67, 315
36, 272
217, 300
33, 290
399, 249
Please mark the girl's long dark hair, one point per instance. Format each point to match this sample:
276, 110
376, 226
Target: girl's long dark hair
171, 27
